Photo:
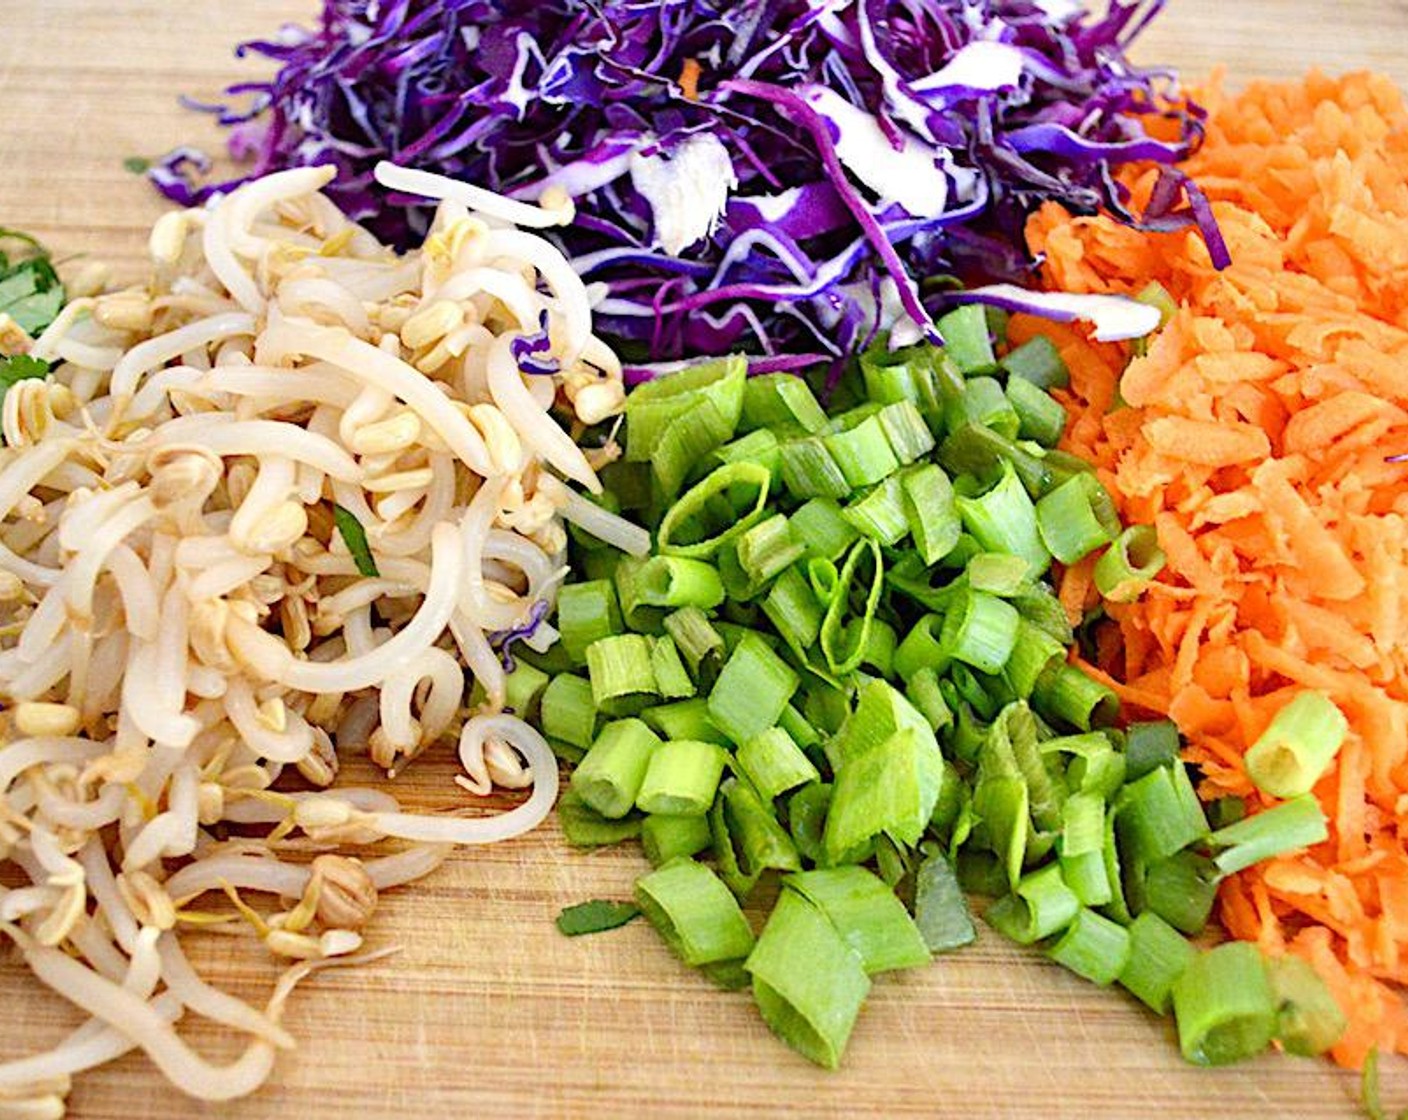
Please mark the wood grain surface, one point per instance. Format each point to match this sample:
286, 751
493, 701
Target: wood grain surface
488, 1011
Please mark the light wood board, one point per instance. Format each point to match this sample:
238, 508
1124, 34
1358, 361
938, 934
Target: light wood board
488, 1011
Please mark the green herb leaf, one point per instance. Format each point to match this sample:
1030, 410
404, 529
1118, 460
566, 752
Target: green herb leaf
19, 368
355, 538
596, 916
138, 165
30, 291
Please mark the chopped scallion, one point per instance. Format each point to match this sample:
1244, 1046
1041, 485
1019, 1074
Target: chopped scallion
682, 778
1297, 747
1224, 1005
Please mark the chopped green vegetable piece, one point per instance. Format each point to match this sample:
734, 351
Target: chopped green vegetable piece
980, 630
568, 712
891, 788
1297, 747
923, 691
922, 648
353, 535
1154, 820
867, 915
940, 910
664, 838
753, 688
1308, 1020
522, 687
610, 776
859, 446
1003, 519
682, 778
1093, 947
966, 339
137, 165
1148, 746
808, 983
1158, 956
1040, 906
596, 916
983, 403
671, 678
767, 549
1066, 694
697, 642
774, 764
684, 719
1041, 418
583, 827
585, 612
844, 639
824, 533
879, 713
930, 509
1224, 1005
1071, 527
909, 435
695, 913
774, 399
809, 471
711, 513
880, 513
792, 608
654, 406
761, 447
1038, 362
1293, 824
619, 668
975, 450
1181, 890
678, 581
759, 843
1131, 562
1034, 652
685, 443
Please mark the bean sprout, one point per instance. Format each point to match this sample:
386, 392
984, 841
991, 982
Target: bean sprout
187, 638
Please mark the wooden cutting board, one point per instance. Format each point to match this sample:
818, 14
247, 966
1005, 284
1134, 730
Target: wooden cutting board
487, 1010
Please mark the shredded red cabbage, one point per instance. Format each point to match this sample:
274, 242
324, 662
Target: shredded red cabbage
773, 175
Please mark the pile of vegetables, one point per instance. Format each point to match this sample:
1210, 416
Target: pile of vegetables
780, 178
843, 669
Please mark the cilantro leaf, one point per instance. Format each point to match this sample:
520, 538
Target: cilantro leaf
138, 165
596, 916
355, 538
30, 290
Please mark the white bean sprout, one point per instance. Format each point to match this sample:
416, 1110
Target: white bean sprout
276, 503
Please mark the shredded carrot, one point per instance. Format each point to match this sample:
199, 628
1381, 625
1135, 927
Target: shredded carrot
1255, 434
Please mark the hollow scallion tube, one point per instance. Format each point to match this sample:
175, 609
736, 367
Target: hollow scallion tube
767, 549
1126, 568
809, 471
1293, 824
1158, 956
685, 442
1042, 905
867, 915
1081, 849
1224, 1005
1034, 652
585, 612
682, 778
684, 719
858, 446
664, 838
774, 399
759, 842
656, 404
1308, 1020
567, 711
726, 502
753, 688
880, 513
1038, 362
761, 447
1149, 745
1181, 889
774, 763
678, 581
1041, 418
1003, 519
967, 341
929, 506
619, 667
1154, 820
522, 687
824, 533
792, 607
904, 426
697, 642
983, 403
808, 983
1093, 947
1068, 695
973, 449
923, 691
980, 630
695, 913
1297, 747
672, 680
922, 648
1069, 523
610, 776
891, 788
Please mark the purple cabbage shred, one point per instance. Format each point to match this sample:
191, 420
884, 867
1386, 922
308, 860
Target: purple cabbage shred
852, 150
503, 640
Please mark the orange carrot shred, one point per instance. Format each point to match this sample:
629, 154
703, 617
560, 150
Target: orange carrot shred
1255, 435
